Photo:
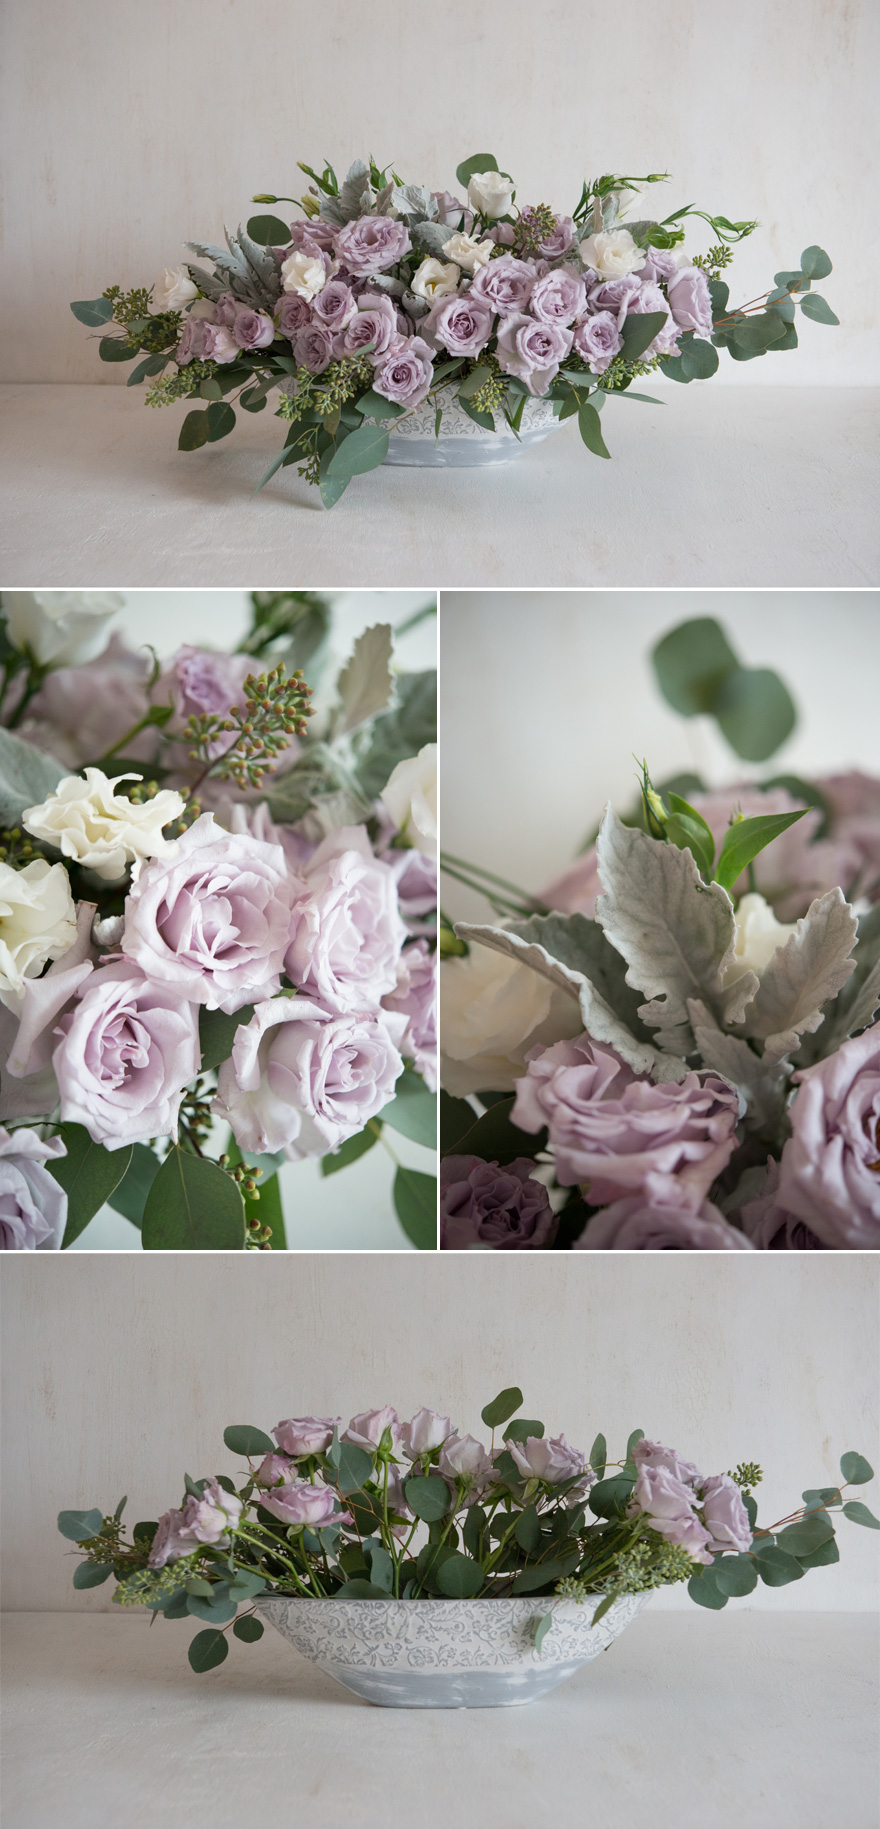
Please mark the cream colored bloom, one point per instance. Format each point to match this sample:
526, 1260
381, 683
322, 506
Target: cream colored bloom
173, 290
468, 253
612, 253
492, 1010
490, 194
433, 280
60, 628
758, 934
37, 923
304, 274
102, 830
410, 799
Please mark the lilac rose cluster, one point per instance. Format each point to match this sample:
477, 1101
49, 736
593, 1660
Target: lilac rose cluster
704, 1516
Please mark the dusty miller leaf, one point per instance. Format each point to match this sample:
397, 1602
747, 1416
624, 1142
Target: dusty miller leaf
27, 776
355, 196
430, 237
319, 779
810, 968
856, 1006
415, 202
365, 684
761, 1084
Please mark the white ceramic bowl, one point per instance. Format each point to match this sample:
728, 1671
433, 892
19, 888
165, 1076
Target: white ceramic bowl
461, 440
447, 1653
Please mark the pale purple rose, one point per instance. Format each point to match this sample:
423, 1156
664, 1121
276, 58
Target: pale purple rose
770, 1226
830, 1170
451, 211
125, 1052
374, 326
220, 344
502, 233
670, 1506
426, 1433
43, 1001
212, 922
531, 350
406, 372
294, 314
725, 1515
313, 348
335, 305
855, 831
660, 263
463, 1458
33, 1205
313, 234
81, 712
550, 1459
367, 1429
226, 309
487, 1208
654, 1455
302, 1503
303, 1080
575, 891
560, 241
194, 342
689, 299
208, 1519
650, 298
346, 933
598, 340
559, 297
274, 1470
416, 998
253, 329
621, 1133
616, 296
638, 1223
168, 1543
372, 244
416, 878
462, 324
202, 682
302, 1435
505, 283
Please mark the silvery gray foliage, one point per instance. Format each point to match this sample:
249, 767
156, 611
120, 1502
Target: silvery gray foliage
803, 975
610, 209
27, 775
208, 284
386, 282
415, 202
355, 197
430, 237
856, 1005
762, 1084
415, 307
250, 272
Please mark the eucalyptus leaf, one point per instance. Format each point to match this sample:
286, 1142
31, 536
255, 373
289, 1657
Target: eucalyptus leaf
777, 1567
859, 1514
736, 1575
704, 1589
755, 712
92, 1574
502, 1407
242, 1438
855, 1469
248, 1629
494, 1137
815, 263
217, 1032
88, 1173
428, 1497
207, 1650
690, 663
193, 1205
194, 432
129, 1197
269, 231
590, 427
93, 311
816, 307
415, 1203
352, 1149
478, 162
80, 1526
599, 1455
460, 1577
542, 1627
639, 329
802, 1538
413, 1110
362, 451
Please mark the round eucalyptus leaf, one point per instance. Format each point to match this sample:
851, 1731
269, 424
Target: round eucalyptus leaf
79, 1526
428, 1497
736, 1575
248, 1630
459, 1577
855, 1469
208, 1649
91, 1574
690, 663
269, 231
755, 712
242, 1438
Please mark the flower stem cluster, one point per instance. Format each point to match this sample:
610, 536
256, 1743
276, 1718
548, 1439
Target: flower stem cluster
181, 384
746, 1475
194, 1117
534, 227
713, 262
277, 706
492, 392
151, 331
16, 848
153, 1587
619, 372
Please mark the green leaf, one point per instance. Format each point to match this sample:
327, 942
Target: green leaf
792, 281
91, 1574
116, 349
855, 1469
92, 311
253, 402
153, 365
243, 1438
221, 419
245, 1584
699, 359
687, 835
815, 307
428, 1497
145, 1531
248, 1629
640, 328
802, 1538
502, 1407
194, 432
485, 420
523, 1429
744, 840
755, 712
415, 1203
27, 776
208, 1649
690, 664
599, 1455
210, 390
457, 1117
480, 161
197, 1584
821, 1558
704, 1589
130, 1196
688, 813
217, 1033
399, 732
351, 1149
193, 1206
375, 406
755, 334
826, 1496
363, 450
474, 381
381, 1566
286, 455
638, 1435
542, 1627
859, 1514
413, 1110
79, 1526
459, 1577
527, 1530
495, 1139
355, 1466
88, 1174
609, 1498
735, 1575
528, 1580
358, 1589
776, 1567
590, 427
269, 231
815, 263
218, 1611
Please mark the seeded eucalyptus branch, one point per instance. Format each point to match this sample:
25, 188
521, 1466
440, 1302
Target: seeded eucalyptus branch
277, 706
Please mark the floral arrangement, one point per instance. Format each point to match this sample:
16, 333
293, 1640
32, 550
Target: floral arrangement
416, 1510
686, 1017
387, 295
217, 921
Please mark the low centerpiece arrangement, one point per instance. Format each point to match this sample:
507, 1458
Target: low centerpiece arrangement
396, 323
217, 922
424, 1569
686, 1018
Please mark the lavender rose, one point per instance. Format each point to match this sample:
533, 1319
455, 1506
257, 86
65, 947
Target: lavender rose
598, 340
33, 1205
725, 1515
425, 1434
203, 1520
126, 1050
484, 1207
345, 929
505, 284
313, 348
463, 324
532, 350
690, 301
274, 1470
372, 244
830, 1170
294, 313
220, 344
416, 998
463, 1459
302, 1080
671, 1507
194, 342
406, 372
660, 263
212, 922
313, 233
560, 241
559, 297
198, 682
373, 327
253, 329
616, 296
302, 1435
549, 1459
650, 298
367, 1429
83, 711
335, 306
302, 1504
617, 1131
653, 1454
638, 1224
772, 1227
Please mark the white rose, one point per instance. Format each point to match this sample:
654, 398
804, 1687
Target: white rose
60, 628
492, 1010
86, 821
173, 290
410, 799
433, 280
490, 194
467, 252
613, 254
303, 273
37, 923
758, 934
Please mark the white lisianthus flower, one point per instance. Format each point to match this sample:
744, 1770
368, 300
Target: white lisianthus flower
102, 830
37, 923
410, 799
173, 290
492, 1010
468, 253
60, 628
304, 274
433, 280
490, 194
758, 934
612, 253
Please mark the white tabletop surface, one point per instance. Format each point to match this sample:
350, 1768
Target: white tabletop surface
740, 486
701, 1721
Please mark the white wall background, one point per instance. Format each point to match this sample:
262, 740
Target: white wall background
351, 1210
130, 129
546, 697
117, 1376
